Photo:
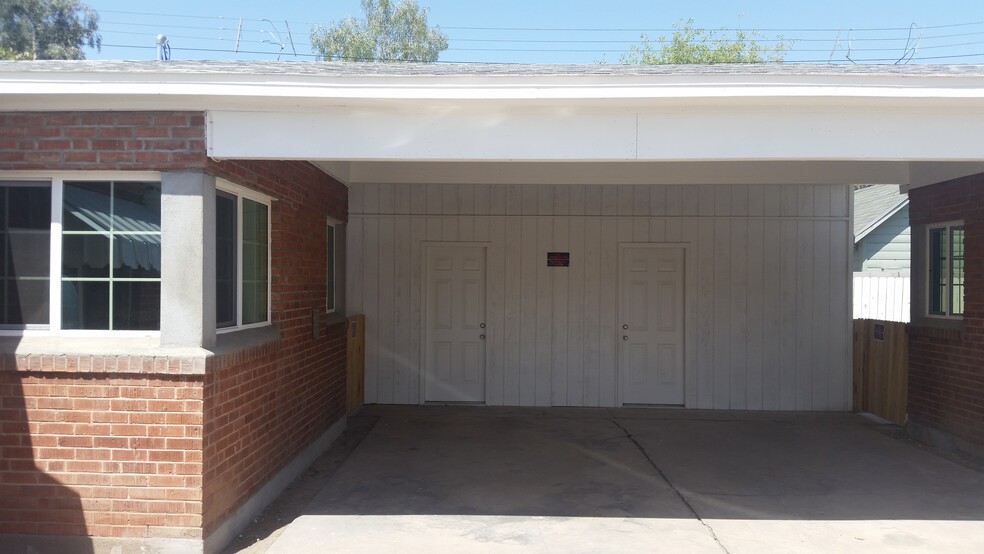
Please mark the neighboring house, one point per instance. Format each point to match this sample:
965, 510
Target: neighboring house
881, 230
881, 253
184, 240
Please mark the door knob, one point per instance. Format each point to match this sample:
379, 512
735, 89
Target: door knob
482, 325
625, 326
625, 337
481, 337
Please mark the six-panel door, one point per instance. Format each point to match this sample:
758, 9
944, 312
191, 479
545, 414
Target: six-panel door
651, 308
454, 364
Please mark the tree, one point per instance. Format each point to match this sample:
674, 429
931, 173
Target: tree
388, 33
47, 29
691, 45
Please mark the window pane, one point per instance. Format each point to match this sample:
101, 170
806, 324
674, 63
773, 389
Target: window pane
225, 260
85, 304
136, 256
136, 305
937, 270
30, 207
27, 254
254, 302
331, 267
254, 222
85, 256
137, 206
254, 268
86, 206
957, 270
25, 302
25, 244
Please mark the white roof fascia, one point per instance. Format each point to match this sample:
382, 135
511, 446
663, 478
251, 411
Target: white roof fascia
54, 89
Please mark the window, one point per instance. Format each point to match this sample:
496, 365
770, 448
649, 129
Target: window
242, 258
330, 295
111, 255
25, 262
946, 270
81, 253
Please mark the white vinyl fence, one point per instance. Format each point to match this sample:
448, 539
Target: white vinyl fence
881, 297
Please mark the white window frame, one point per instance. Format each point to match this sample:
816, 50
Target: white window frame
331, 264
947, 226
57, 180
241, 192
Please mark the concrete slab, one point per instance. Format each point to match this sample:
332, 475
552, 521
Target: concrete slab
508, 534
475, 479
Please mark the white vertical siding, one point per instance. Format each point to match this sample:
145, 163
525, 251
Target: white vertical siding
768, 304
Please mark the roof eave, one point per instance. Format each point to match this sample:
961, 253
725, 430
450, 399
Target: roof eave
881, 219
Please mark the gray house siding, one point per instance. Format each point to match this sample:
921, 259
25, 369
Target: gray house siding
886, 248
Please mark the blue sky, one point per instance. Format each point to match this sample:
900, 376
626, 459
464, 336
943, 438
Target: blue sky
555, 31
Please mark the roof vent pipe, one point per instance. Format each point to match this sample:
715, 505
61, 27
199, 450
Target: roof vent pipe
163, 49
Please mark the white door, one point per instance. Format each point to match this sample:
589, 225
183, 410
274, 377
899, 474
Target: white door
454, 350
650, 361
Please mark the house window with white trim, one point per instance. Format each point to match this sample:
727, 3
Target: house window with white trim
80, 252
946, 270
330, 302
242, 259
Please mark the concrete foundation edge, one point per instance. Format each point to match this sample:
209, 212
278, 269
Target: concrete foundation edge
243, 516
53, 544
944, 441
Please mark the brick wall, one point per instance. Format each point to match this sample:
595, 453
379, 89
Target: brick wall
99, 140
946, 367
265, 404
168, 466
108, 454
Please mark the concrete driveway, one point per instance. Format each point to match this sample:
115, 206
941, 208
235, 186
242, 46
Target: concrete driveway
476, 479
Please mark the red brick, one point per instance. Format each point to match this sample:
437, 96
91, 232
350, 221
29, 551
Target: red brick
946, 377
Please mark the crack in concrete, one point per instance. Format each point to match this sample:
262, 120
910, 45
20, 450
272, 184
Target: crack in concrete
659, 471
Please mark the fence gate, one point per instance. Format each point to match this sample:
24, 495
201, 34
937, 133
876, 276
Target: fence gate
880, 369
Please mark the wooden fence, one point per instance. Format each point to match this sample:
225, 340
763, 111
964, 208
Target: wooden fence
880, 296
355, 370
880, 368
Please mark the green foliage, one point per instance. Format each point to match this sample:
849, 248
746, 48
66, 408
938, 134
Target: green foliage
691, 45
8, 54
47, 29
388, 33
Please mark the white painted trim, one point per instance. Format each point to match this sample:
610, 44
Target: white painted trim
686, 246
421, 363
947, 225
82, 175
173, 85
55, 257
56, 179
604, 133
244, 192
332, 263
240, 192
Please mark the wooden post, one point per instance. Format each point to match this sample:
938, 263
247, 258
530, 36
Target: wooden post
355, 374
